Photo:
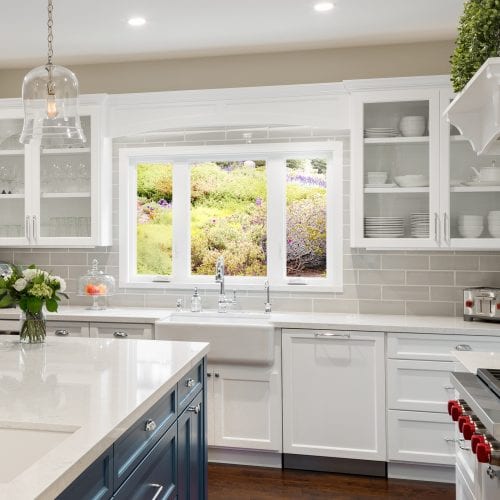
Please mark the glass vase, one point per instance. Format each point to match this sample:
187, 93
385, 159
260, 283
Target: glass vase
33, 327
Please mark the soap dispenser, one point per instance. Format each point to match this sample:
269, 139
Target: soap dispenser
196, 301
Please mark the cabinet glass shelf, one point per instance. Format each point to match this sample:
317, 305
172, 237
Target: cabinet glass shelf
65, 151
11, 152
396, 140
66, 195
396, 190
15, 196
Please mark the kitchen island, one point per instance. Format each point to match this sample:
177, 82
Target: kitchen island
96, 413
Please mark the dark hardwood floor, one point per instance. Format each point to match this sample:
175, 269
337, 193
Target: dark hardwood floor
228, 482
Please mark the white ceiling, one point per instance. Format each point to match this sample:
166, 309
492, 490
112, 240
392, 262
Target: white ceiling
88, 31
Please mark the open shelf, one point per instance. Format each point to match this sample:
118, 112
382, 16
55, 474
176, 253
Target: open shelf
66, 195
65, 151
396, 140
396, 190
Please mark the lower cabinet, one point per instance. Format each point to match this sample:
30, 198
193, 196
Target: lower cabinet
334, 396
163, 455
244, 407
68, 328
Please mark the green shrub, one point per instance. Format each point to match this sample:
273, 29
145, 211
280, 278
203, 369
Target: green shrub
478, 39
154, 181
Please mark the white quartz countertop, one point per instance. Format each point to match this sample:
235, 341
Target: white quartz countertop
474, 360
87, 390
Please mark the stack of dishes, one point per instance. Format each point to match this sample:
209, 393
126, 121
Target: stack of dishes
494, 224
384, 227
376, 132
470, 226
419, 225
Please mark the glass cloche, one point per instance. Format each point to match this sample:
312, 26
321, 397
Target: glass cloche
96, 284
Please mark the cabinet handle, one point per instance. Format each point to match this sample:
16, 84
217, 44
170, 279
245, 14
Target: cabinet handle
195, 409
159, 489
448, 387
450, 440
216, 375
445, 227
150, 425
61, 333
491, 473
27, 228
331, 335
190, 382
209, 375
463, 347
34, 228
436, 226
120, 334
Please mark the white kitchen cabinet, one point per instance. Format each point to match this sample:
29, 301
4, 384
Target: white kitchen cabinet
334, 394
59, 196
122, 330
68, 329
244, 407
441, 155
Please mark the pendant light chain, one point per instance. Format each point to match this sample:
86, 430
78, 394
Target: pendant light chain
50, 36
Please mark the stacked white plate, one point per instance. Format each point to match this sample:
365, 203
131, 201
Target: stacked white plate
419, 225
384, 227
470, 226
376, 132
494, 224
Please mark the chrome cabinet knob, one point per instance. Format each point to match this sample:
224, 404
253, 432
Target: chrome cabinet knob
463, 347
195, 409
216, 375
120, 334
150, 425
190, 382
61, 333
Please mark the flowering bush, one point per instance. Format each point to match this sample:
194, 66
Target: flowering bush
31, 289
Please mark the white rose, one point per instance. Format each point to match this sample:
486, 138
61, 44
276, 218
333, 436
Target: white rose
62, 283
20, 284
29, 274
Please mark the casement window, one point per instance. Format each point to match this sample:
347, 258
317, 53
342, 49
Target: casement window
273, 211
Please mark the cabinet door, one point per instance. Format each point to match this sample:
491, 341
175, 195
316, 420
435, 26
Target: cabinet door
191, 451
465, 194
67, 329
334, 394
15, 186
121, 330
395, 169
246, 407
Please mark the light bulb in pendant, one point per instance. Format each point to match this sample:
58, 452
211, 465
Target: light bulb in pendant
52, 111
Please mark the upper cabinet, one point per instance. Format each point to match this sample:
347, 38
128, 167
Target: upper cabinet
55, 197
416, 182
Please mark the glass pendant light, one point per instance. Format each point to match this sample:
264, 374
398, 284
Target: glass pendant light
50, 97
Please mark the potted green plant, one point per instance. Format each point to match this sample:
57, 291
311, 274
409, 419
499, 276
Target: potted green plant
32, 289
478, 39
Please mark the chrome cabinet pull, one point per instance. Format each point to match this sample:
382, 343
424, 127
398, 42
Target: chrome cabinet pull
448, 387
61, 333
159, 489
436, 226
195, 409
27, 228
463, 347
450, 440
190, 382
332, 335
120, 334
150, 425
445, 227
35, 237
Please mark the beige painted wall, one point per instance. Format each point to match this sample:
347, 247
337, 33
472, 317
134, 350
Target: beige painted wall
311, 66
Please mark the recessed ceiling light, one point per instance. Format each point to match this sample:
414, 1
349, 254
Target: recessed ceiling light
137, 21
323, 6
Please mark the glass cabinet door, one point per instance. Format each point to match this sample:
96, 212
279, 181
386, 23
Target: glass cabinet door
399, 176
471, 198
13, 222
65, 191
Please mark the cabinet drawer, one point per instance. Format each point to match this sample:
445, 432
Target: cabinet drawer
67, 329
96, 482
435, 347
122, 330
156, 476
421, 437
419, 385
189, 386
133, 446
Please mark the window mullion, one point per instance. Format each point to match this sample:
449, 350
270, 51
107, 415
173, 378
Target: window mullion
181, 202
276, 227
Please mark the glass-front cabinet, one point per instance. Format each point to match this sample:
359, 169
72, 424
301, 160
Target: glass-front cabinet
416, 182
55, 196
395, 180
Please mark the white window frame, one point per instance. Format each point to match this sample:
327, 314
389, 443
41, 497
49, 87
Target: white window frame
273, 154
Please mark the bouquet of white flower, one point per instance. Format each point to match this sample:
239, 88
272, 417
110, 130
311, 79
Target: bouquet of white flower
32, 289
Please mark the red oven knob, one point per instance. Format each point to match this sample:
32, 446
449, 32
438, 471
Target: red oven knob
469, 303
468, 430
462, 420
475, 440
456, 411
483, 453
451, 404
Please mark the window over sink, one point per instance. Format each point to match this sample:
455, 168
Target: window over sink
273, 210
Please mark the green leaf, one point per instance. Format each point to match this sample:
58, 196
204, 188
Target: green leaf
34, 304
51, 305
6, 301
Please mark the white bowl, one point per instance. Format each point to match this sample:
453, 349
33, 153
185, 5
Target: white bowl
412, 180
470, 232
471, 218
